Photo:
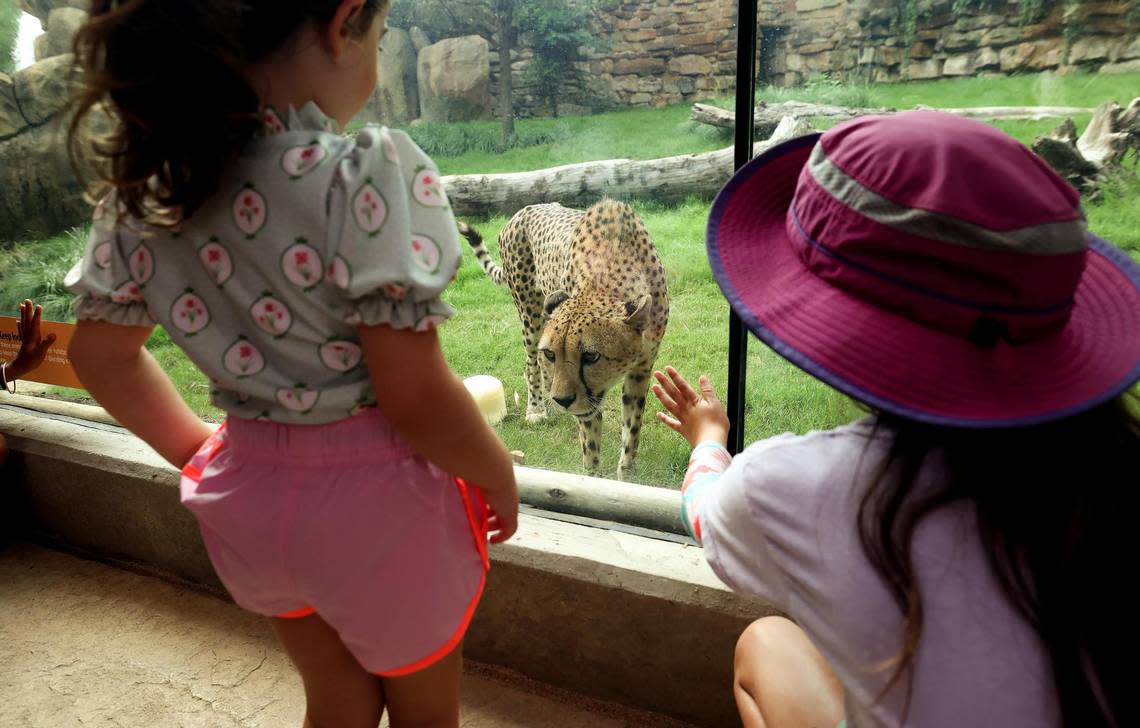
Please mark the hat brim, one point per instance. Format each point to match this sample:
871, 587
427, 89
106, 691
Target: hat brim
898, 365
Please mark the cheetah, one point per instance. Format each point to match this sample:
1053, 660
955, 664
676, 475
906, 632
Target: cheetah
590, 291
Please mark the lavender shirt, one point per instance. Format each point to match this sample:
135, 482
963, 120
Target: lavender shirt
780, 524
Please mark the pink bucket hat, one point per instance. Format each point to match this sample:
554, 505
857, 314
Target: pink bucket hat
929, 266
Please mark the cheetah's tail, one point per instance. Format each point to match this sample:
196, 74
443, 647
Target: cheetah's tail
490, 267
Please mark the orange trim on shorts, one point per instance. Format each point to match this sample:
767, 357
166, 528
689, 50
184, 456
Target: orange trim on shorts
476, 509
477, 516
209, 449
448, 646
296, 613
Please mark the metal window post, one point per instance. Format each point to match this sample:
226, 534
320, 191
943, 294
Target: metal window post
745, 106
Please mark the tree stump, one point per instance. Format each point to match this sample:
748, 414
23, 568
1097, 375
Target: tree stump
1111, 135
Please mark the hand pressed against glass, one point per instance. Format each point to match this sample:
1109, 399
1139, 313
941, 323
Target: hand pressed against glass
33, 349
697, 416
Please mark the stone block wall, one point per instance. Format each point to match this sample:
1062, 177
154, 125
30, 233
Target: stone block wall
862, 40
660, 52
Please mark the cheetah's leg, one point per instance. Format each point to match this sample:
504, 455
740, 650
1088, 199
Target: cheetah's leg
535, 377
590, 435
632, 409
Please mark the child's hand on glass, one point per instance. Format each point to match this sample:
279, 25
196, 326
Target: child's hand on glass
697, 416
33, 349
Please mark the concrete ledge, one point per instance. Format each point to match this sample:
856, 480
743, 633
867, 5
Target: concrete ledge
612, 615
598, 498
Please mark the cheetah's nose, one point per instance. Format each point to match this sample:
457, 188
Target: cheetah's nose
565, 401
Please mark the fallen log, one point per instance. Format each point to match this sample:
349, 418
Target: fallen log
1022, 113
766, 116
670, 179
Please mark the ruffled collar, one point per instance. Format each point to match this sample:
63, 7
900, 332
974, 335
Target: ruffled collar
308, 118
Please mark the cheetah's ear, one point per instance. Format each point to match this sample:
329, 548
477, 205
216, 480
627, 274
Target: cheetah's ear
637, 312
553, 301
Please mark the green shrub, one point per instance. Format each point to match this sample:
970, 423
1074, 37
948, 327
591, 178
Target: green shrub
9, 30
821, 90
452, 140
36, 270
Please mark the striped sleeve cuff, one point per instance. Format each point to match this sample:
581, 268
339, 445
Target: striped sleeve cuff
708, 461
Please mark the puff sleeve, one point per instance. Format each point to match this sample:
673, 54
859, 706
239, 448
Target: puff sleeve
393, 242
106, 283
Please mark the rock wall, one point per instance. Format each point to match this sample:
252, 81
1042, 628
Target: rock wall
659, 52
39, 195
863, 40
652, 53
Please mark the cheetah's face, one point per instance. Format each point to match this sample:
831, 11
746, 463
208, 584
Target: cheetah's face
587, 346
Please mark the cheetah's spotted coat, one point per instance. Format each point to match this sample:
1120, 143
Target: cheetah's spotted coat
590, 290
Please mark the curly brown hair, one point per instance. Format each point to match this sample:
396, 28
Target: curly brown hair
171, 76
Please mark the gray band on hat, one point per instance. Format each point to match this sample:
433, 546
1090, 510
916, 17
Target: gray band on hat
1047, 239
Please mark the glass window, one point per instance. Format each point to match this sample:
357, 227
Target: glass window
524, 102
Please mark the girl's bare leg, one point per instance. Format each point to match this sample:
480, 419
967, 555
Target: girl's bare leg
428, 698
339, 693
781, 680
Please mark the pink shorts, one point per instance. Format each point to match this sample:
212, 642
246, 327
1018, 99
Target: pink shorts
344, 520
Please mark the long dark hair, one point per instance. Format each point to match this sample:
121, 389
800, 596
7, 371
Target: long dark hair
1054, 507
171, 75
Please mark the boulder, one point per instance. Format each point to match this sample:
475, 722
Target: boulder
40, 47
397, 93
954, 41
888, 56
43, 89
690, 65
1048, 53
42, 8
962, 65
1132, 66
419, 39
454, 79
1002, 35
39, 196
11, 121
921, 70
1089, 48
987, 58
921, 51
1016, 57
1132, 50
61, 26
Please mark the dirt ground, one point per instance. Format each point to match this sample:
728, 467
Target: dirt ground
87, 644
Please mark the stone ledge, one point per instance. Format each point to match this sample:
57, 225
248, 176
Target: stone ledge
612, 615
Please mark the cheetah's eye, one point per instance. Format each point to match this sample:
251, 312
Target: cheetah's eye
548, 354
590, 357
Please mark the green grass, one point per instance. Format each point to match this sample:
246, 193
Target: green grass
452, 140
629, 134
484, 336
1041, 89
36, 269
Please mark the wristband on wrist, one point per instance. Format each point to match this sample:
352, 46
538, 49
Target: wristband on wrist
9, 387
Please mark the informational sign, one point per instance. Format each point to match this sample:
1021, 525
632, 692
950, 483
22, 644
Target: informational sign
56, 368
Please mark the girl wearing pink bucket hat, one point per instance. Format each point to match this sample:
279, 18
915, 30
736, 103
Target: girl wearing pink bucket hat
950, 560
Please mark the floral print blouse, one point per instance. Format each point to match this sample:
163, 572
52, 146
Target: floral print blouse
309, 235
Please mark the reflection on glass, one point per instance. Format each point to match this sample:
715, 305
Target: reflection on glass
1023, 67
527, 102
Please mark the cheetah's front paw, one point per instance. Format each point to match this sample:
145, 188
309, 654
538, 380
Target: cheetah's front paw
625, 470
